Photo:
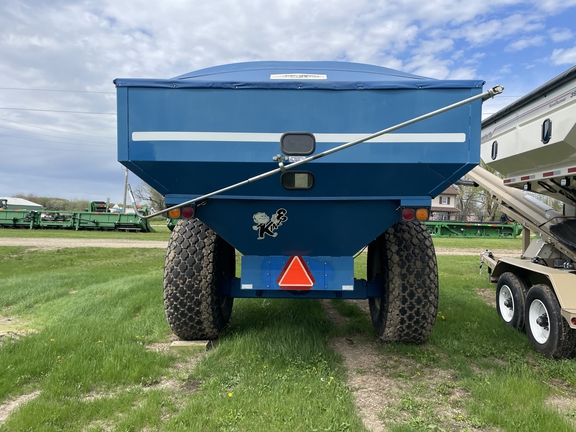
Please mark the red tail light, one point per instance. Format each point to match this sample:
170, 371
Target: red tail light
187, 212
408, 214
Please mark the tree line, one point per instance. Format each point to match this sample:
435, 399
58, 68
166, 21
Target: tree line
57, 204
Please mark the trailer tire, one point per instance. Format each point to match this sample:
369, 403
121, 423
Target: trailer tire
547, 330
198, 263
405, 261
511, 299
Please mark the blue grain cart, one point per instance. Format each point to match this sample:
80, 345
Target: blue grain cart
244, 155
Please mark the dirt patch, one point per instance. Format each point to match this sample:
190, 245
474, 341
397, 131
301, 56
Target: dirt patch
333, 314
7, 408
177, 379
565, 405
488, 296
11, 328
391, 389
371, 388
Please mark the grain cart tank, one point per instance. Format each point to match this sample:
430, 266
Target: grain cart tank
243, 154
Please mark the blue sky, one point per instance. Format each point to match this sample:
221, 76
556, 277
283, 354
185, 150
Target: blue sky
58, 60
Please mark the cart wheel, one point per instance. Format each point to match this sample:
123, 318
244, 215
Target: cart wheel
404, 258
546, 328
198, 264
510, 300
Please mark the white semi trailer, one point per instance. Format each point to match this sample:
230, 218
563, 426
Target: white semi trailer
532, 143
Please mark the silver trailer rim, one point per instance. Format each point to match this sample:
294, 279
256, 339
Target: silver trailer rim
538, 321
506, 303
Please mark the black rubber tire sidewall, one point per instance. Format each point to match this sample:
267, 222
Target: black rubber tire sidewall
561, 342
197, 263
407, 309
518, 292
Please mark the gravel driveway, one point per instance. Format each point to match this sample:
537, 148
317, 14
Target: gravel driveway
58, 243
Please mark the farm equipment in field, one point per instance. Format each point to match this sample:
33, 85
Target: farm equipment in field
532, 142
97, 207
473, 229
299, 166
74, 220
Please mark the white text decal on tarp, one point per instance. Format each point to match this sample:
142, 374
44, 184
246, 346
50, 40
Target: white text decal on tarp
298, 76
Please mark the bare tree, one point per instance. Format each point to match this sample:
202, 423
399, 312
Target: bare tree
479, 201
146, 194
468, 201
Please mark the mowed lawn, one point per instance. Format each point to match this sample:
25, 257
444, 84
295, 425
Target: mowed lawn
84, 342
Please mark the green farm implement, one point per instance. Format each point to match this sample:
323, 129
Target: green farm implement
473, 229
73, 220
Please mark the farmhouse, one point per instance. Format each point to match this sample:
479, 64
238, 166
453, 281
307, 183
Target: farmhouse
444, 205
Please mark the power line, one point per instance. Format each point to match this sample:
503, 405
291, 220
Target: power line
46, 135
55, 90
77, 150
57, 142
55, 130
60, 111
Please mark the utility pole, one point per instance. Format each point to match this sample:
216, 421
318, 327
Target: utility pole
125, 191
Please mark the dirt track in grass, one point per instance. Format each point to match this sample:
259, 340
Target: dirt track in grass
60, 243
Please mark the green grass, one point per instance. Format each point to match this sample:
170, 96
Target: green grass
478, 243
90, 314
162, 233
508, 383
273, 371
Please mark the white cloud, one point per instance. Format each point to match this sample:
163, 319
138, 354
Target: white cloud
560, 35
506, 69
464, 73
524, 43
554, 6
564, 56
485, 32
434, 46
428, 65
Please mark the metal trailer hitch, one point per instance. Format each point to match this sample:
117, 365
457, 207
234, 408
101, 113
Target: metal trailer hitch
489, 94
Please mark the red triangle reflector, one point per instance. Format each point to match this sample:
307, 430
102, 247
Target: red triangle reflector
295, 275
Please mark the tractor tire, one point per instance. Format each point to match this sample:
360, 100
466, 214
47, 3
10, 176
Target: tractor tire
405, 261
511, 299
547, 330
198, 263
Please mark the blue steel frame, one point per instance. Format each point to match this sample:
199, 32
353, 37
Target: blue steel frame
362, 290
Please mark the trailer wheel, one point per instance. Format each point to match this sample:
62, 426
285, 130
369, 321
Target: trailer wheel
405, 261
198, 263
510, 300
546, 328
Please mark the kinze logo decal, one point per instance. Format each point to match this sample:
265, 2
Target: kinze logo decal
266, 225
